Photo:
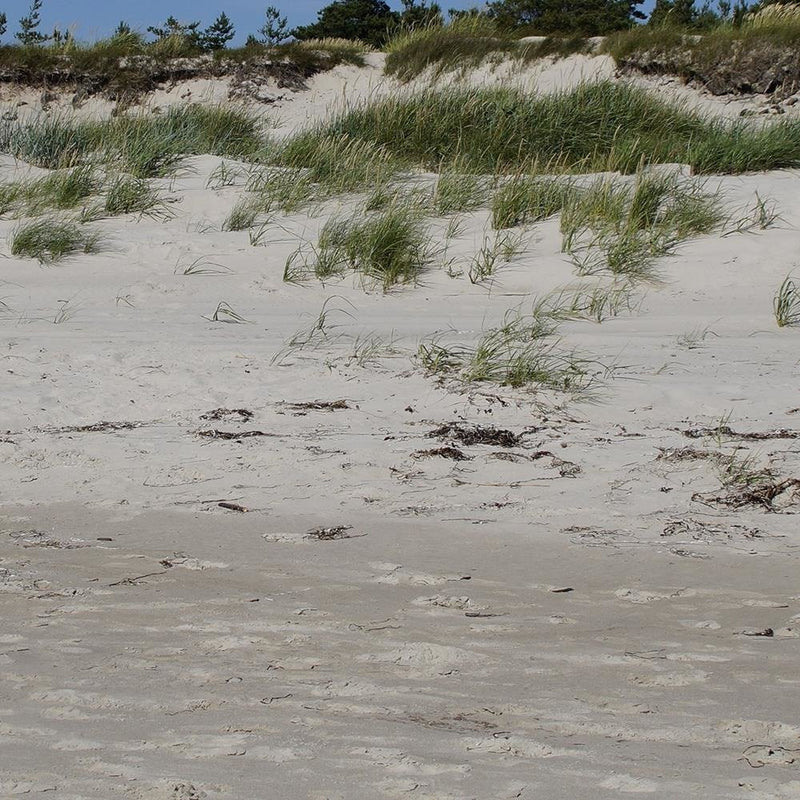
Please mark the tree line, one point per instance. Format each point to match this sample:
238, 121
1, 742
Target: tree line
374, 22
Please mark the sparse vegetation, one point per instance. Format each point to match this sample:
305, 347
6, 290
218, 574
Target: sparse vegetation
389, 247
51, 239
522, 352
466, 42
758, 55
786, 304
128, 195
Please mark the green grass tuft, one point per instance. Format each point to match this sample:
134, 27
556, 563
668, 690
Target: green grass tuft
526, 199
522, 352
603, 126
50, 240
142, 145
786, 304
129, 195
389, 247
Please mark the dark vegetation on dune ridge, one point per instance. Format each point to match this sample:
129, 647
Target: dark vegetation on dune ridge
467, 42
123, 71
754, 58
595, 127
732, 50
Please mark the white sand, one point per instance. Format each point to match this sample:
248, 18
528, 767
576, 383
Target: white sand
156, 645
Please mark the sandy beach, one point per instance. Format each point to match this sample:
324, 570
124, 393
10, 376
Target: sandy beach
263, 554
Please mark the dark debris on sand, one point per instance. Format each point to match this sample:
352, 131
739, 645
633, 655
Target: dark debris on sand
453, 453
476, 434
329, 534
223, 413
213, 433
765, 494
755, 436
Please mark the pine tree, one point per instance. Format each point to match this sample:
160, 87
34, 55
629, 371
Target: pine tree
217, 35
418, 14
3, 23
275, 28
371, 21
28, 33
585, 17
172, 27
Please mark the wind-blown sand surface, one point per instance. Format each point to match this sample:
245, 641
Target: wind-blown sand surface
577, 615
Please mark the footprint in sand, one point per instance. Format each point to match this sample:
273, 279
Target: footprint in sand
425, 659
671, 679
649, 595
397, 574
629, 784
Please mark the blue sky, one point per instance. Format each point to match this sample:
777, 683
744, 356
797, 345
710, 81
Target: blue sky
89, 19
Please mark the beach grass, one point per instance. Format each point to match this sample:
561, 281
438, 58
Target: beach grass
522, 352
467, 42
525, 199
128, 195
387, 248
786, 304
142, 145
601, 126
52, 239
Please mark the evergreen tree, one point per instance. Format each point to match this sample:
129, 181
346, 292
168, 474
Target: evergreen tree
28, 33
172, 27
275, 28
217, 35
3, 23
371, 21
585, 17
673, 13
417, 14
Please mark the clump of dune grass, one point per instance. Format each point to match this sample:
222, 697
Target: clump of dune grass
288, 190
466, 42
52, 239
128, 195
493, 252
339, 163
525, 199
153, 145
144, 145
522, 352
623, 226
61, 190
601, 126
413, 195
599, 303
388, 248
55, 142
243, 215
786, 303
458, 191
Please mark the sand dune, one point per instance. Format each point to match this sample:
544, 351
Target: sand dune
583, 610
